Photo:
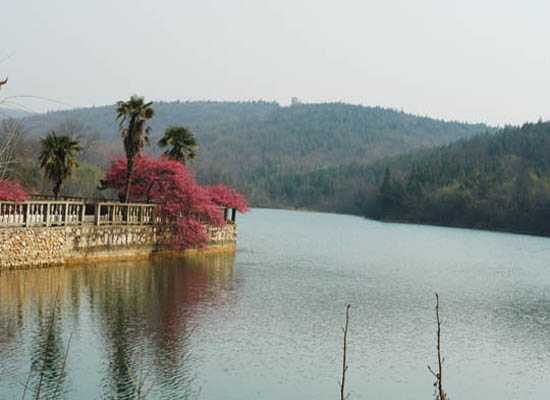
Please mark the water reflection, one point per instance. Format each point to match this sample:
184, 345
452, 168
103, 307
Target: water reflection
47, 374
131, 326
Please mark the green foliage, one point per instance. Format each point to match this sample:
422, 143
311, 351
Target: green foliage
278, 155
58, 158
490, 181
182, 143
391, 195
336, 157
133, 116
84, 181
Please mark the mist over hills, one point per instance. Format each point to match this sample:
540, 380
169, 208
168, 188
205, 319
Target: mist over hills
13, 113
254, 145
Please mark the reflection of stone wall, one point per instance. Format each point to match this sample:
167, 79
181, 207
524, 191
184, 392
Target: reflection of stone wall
35, 247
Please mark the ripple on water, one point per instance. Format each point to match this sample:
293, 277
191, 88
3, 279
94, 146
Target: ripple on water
266, 324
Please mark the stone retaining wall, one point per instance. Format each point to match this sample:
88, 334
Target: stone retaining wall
45, 246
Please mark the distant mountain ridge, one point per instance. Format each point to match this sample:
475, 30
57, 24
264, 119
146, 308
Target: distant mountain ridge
13, 113
249, 144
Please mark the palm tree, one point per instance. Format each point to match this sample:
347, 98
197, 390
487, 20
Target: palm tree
135, 134
58, 158
183, 144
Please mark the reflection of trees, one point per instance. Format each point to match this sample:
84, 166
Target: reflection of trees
180, 288
22, 290
30, 307
147, 316
47, 373
118, 295
145, 313
525, 320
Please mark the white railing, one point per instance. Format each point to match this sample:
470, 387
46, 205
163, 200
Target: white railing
65, 213
41, 213
124, 214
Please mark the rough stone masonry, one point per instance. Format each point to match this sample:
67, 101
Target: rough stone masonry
32, 247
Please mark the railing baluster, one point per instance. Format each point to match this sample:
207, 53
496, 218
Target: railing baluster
48, 214
65, 213
98, 214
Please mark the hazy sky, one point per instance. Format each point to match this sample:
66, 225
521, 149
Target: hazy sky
474, 60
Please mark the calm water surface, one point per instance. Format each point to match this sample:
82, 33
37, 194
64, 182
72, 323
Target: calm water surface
266, 324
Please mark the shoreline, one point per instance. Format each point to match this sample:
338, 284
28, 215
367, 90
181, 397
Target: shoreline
408, 222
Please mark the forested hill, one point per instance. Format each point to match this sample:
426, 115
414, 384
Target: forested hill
493, 182
499, 181
250, 143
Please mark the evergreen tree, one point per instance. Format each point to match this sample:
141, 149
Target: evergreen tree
58, 159
135, 112
183, 146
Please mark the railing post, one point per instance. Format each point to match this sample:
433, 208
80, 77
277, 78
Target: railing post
63, 213
82, 213
98, 214
27, 213
47, 216
66, 222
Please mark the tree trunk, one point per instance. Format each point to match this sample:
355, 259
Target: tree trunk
129, 170
56, 190
130, 155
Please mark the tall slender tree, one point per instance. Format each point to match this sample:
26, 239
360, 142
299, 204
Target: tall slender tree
58, 158
132, 116
181, 142
10, 132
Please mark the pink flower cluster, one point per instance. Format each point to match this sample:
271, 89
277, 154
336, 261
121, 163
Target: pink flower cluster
11, 191
187, 205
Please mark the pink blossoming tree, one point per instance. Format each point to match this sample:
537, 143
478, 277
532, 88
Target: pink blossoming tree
183, 204
11, 191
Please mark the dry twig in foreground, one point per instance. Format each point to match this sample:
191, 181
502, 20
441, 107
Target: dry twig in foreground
440, 394
343, 395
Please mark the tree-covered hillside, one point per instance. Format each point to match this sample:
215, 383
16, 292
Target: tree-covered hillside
499, 181
255, 145
335, 157
491, 182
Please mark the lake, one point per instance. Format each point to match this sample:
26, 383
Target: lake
267, 323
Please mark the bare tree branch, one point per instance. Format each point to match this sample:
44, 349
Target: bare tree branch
10, 131
343, 394
440, 393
